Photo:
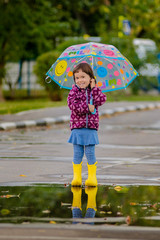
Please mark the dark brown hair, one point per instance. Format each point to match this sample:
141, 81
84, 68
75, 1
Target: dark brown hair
85, 67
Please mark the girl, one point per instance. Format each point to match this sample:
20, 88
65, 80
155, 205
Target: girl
83, 101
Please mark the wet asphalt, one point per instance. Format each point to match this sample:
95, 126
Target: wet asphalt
128, 154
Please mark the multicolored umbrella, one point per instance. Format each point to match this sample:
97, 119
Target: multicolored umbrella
111, 69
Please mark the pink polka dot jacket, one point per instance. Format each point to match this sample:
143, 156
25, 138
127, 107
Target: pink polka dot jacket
78, 100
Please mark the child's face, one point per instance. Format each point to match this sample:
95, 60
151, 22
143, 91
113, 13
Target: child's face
82, 79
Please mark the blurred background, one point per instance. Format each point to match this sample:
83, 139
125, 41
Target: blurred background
33, 33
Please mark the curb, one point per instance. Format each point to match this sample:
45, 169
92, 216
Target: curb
66, 118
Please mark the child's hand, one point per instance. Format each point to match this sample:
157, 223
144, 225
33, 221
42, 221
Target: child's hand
92, 83
91, 107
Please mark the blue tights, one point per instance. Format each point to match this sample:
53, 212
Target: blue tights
79, 153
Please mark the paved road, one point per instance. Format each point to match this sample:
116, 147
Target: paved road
128, 153
78, 232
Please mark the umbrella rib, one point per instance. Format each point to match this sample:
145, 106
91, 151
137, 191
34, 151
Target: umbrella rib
118, 58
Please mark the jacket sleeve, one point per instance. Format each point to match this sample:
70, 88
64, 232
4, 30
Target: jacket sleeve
99, 98
77, 102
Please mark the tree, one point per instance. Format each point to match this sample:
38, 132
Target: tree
14, 24
28, 29
87, 16
143, 15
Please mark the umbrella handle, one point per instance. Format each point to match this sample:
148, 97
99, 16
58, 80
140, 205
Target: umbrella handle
46, 79
91, 102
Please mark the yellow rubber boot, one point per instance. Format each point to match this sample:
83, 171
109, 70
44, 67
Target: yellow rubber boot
77, 175
92, 179
77, 193
92, 193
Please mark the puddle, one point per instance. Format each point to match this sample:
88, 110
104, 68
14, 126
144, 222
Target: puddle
56, 204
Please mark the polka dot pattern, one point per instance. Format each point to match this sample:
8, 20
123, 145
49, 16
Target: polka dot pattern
111, 69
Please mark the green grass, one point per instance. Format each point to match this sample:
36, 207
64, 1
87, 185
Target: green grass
42, 101
15, 106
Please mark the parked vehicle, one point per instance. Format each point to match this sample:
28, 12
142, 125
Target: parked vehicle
143, 47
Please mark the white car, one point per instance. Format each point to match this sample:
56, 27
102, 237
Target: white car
142, 47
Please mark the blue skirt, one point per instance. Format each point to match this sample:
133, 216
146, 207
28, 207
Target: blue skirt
84, 136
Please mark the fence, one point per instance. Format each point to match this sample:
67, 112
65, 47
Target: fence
28, 79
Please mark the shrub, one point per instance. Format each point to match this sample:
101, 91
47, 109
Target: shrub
43, 63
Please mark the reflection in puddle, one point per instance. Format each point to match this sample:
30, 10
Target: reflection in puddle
91, 202
132, 205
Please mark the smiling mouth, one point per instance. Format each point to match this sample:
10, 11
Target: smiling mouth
81, 84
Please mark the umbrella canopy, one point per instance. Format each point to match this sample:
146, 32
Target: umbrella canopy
111, 69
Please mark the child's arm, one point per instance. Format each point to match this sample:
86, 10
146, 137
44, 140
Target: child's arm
77, 103
99, 98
